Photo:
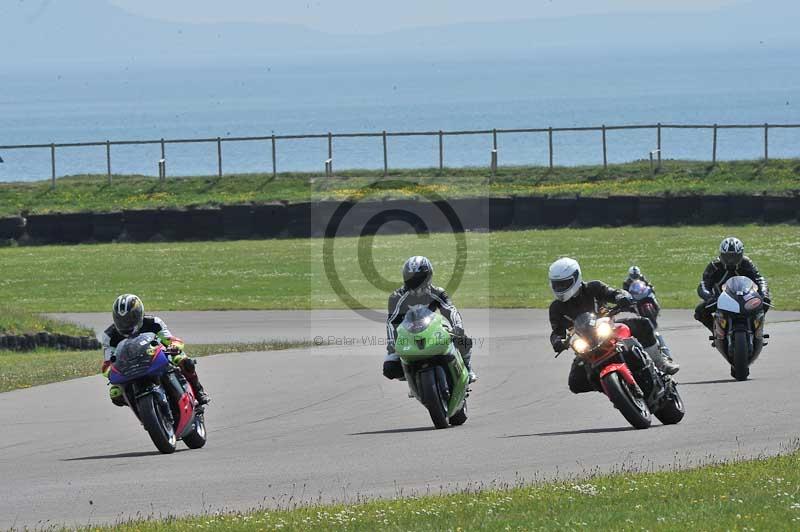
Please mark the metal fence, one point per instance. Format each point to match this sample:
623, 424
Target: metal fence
493, 134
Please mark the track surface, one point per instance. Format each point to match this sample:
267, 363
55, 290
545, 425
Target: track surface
322, 423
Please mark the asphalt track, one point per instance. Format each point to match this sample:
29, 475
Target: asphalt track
323, 424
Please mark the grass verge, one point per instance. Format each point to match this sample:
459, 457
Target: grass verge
16, 321
93, 193
23, 370
500, 269
745, 495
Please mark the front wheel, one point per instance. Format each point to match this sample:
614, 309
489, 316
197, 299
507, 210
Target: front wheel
196, 438
160, 430
741, 356
433, 398
632, 408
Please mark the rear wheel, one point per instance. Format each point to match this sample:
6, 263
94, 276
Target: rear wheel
196, 438
672, 411
460, 417
741, 356
632, 408
433, 398
160, 430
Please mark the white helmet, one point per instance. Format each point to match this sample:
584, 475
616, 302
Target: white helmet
565, 278
634, 272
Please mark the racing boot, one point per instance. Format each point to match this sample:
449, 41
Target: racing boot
467, 357
188, 367
662, 346
662, 360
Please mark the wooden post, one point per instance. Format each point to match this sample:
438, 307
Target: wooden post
550, 142
766, 142
714, 148
163, 150
441, 150
53, 165
605, 155
385, 156
219, 157
274, 160
108, 160
658, 144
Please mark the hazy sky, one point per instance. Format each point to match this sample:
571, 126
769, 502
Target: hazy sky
376, 16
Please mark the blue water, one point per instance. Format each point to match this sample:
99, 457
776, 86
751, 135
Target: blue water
90, 103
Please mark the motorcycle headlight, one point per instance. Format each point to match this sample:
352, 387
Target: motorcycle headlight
603, 330
580, 345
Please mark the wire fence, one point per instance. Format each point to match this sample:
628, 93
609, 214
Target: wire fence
328, 162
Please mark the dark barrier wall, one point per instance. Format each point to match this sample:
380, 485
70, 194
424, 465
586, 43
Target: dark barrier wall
301, 220
29, 342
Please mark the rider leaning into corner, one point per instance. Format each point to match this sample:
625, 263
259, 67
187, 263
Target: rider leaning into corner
129, 321
574, 297
418, 290
730, 263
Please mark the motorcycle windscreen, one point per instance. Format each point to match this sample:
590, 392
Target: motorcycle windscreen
417, 319
639, 290
134, 357
729, 304
739, 286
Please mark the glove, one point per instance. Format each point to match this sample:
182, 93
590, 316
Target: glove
767, 300
704, 293
560, 345
624, 300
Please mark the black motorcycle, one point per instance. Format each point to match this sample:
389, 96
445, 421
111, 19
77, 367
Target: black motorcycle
739, 325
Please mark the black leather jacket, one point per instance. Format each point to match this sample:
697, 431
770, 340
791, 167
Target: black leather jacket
716, 274
589, 298
434, 297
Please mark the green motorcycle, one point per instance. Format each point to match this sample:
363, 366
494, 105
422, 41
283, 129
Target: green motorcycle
433, 366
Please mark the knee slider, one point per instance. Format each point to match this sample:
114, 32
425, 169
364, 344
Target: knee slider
188, 364
392, 369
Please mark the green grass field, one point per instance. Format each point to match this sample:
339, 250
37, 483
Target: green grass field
23, 370
745, 495
93, 193
502, 269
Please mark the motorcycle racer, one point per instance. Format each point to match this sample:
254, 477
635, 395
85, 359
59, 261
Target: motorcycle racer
418, 290
129, 320
730, 263
574, 297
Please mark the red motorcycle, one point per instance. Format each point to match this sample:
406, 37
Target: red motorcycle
604, 346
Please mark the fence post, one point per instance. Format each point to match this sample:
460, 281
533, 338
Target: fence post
766, 142
330, 151
385, 156
53, 165
494, 152
108, 160
163, 175
714, 149
550, 143
274, 160
441, 150
658, 145
605, 155
219, 156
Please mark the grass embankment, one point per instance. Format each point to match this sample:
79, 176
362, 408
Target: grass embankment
17, 321
746, 495
93, 193
23, 370
502, 269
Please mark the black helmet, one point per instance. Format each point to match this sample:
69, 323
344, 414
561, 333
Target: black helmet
128, 314
731, 252
417, 273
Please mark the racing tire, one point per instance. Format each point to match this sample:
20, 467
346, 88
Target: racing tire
432, 396
672, 411
460, 417
634, 409
741, 356
159, 429
197, 438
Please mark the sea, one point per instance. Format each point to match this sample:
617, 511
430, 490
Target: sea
99, 102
